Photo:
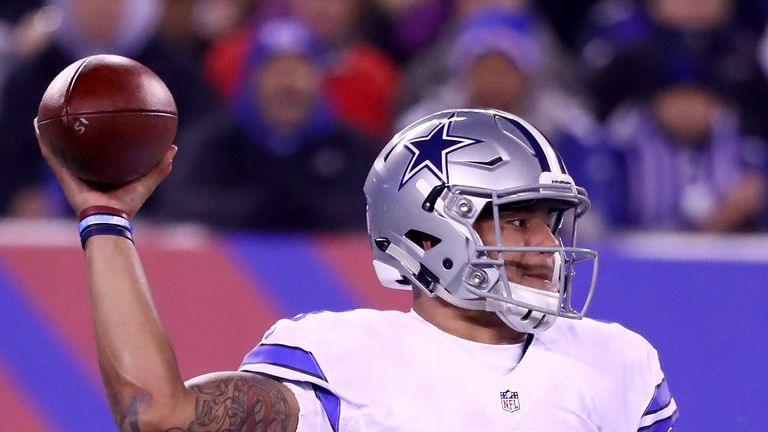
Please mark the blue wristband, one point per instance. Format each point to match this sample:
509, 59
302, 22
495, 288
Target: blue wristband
104, 229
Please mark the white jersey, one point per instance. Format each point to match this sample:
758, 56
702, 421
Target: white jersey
367, 370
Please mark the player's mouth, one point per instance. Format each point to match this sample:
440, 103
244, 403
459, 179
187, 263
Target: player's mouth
538, 277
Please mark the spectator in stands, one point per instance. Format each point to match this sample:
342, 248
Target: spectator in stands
125, 27
361, 80
432, 69
723, 46
287, 162
687, 163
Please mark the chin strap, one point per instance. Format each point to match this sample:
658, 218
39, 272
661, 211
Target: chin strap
443, 294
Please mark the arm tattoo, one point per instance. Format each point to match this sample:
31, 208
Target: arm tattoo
233, 404
240, 404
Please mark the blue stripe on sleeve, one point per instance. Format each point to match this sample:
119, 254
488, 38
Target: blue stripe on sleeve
297, 359
331, 404
289, 357
660, 399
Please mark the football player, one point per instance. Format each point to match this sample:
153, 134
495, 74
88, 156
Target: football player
472, 210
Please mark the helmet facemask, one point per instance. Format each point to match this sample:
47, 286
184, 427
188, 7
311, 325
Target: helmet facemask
489, 274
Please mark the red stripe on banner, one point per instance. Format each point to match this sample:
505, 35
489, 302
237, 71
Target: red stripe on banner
207, 306
16, 402
56, 282
350, 257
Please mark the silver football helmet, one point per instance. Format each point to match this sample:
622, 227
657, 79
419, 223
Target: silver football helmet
433, 180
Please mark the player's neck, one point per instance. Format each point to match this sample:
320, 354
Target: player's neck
477, 326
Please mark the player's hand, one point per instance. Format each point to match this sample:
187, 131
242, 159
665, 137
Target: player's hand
128, 198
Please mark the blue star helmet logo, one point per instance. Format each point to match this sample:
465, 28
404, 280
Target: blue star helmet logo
431, 152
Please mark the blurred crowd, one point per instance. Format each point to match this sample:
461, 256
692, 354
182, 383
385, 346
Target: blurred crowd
659, 107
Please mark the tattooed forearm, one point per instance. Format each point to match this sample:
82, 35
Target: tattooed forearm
235, 403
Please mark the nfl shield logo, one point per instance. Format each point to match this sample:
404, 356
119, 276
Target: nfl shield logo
509, 401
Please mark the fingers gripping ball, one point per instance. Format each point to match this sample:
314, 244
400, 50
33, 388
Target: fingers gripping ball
107, 119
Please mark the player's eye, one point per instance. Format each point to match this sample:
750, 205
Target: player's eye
517, 222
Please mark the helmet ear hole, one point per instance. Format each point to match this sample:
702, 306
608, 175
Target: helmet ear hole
423, 240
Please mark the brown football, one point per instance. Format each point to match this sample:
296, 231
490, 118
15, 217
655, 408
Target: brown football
107, 119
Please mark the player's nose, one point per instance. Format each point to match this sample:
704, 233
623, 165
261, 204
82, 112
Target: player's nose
542, 236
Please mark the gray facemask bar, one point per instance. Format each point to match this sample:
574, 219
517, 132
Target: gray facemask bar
573, 197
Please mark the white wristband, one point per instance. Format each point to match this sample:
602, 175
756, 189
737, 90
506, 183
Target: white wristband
104, 219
